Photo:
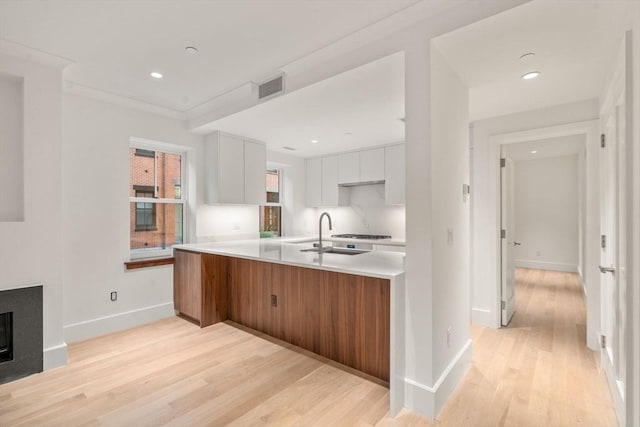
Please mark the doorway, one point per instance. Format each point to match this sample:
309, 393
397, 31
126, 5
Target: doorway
542, 210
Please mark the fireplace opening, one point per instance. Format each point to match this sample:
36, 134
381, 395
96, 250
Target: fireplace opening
6, 337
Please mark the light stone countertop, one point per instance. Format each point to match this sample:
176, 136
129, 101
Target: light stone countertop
381, 264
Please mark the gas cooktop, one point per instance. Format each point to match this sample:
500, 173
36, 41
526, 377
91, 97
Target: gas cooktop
362, 236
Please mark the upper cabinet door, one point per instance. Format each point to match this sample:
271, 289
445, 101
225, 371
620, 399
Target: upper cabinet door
349, 168
230, 169
332, 194
330, 181
372, 165
394, 188
235, 170
255, 167
314, 182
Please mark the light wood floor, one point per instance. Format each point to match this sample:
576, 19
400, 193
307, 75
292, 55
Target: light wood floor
536, 372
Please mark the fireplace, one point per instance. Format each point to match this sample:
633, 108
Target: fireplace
6, 337
20, 332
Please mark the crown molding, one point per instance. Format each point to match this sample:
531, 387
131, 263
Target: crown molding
34, 55
88, 92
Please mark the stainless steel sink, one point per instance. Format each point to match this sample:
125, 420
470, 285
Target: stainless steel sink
334, 250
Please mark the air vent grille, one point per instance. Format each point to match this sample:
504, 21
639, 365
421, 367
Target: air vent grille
271, 87
289, 148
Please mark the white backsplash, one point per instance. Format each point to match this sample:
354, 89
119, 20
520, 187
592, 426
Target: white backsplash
367, 214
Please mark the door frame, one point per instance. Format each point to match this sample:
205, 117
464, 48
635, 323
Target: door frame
591, 232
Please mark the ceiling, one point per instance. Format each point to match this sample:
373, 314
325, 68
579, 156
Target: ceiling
359, 108
574, 44
114, 45
545, 148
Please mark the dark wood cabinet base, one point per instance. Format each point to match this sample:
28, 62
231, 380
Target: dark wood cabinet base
343, 317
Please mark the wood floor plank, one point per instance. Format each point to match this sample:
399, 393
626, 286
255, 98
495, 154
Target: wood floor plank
538, 371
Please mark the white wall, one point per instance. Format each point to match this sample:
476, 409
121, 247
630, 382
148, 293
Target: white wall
485, 216
32, 249
546, 213
11, 147
450, 213
96, 216
437, 260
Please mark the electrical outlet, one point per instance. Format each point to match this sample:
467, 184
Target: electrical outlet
537, 253
274, 300
449, 331
114, 296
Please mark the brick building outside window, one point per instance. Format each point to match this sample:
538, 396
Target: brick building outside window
156, 202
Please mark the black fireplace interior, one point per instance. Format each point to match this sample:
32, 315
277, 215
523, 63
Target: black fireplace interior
6, 337
20, 333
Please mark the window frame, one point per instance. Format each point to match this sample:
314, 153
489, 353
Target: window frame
272, 204
156, 146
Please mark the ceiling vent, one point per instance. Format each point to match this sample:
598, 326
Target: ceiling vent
289, 148
271, 88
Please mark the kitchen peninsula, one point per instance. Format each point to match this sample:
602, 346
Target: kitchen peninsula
348, 308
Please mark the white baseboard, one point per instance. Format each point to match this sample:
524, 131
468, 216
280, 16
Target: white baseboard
428, 401
546, 265
54, 357
481, 316
116, 322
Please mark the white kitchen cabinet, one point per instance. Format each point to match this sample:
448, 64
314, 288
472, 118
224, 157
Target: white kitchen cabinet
372, 165
332, 194
349, 168
235, 170
394, 170
314, 182
322, 183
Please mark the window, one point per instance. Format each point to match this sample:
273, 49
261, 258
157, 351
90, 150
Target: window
157, 201
271, 213
145, 211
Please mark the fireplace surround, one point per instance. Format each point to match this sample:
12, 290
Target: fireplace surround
20, 332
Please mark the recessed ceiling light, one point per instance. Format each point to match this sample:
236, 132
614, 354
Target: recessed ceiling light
531, 75
314, 141
155, 75
527, 56
191, 50
534, 151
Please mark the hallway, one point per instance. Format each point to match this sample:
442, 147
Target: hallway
537, 371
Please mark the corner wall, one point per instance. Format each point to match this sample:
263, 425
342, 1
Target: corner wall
32, 250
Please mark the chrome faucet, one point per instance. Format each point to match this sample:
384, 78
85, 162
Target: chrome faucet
320, 229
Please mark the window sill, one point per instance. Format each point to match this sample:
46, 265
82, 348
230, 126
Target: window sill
148, 262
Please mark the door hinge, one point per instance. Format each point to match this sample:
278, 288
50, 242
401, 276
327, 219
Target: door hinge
603, 341
503, 163
503, 305
603, 140
603, 241
503, 234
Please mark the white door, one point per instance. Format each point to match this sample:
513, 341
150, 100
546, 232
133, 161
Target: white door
507, 226
613, 231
